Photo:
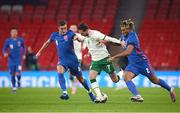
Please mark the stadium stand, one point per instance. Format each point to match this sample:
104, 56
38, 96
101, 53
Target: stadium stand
36, 19
159, 33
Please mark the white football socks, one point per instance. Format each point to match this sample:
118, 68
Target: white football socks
96, 89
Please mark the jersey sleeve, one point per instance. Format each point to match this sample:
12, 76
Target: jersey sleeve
99, 36
52, 37
23, 46
80, 37
132, 40
5, 46
72, 34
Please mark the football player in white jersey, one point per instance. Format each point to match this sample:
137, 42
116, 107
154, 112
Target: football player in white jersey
94, 41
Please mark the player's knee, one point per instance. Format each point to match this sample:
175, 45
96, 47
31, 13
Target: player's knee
60, 69
126, 78
17, 73
154, 80
93, 75
80, 78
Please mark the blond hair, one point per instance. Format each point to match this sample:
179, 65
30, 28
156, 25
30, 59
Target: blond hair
129, 24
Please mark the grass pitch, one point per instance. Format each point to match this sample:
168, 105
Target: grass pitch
47, 100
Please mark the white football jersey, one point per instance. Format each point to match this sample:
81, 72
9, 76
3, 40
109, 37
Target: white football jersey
78, 49
97, 49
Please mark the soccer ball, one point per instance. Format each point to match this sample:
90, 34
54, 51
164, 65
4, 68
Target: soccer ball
101, 99
104, 98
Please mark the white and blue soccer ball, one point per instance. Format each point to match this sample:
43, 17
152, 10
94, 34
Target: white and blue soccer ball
103, 98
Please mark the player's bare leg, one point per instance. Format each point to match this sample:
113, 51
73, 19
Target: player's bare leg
163, 84
128, 76
61, 70
95, 87
94, 84
114, 77
73, 83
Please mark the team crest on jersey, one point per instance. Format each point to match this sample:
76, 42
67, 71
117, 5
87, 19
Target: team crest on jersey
65, 38
19, 43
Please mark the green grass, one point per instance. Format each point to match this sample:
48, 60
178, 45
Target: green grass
47, 100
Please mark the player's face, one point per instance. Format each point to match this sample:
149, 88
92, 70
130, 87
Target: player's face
83, 33
29, 49
73, 28
14, 33
63, 29
124, 31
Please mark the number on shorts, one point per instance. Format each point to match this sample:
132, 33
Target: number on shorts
79, 68
147, 70
109, 67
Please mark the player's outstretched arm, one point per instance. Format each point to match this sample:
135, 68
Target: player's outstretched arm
24, 49
79, 37
5, 47
102, 36
126, 52
114, 40
45, 45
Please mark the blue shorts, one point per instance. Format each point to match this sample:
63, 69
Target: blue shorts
144, 67
15, 68
73, 67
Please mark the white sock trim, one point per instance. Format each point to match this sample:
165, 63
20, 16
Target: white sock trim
96, 89
65, 92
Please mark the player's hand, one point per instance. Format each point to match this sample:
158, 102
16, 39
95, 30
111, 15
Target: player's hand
123, 44
5, 55
87, 55
38, 54
110, 59
24, 57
